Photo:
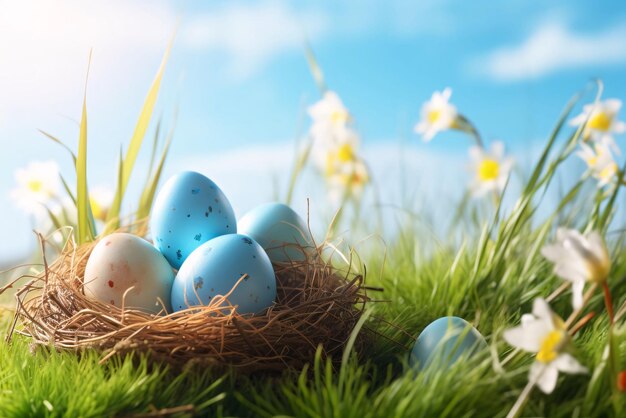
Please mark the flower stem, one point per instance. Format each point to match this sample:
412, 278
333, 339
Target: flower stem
521, 400
586, 298
583, 321
608, 301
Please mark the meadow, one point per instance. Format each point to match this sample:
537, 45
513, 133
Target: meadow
489, 272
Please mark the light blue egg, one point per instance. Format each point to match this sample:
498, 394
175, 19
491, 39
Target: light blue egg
444, 341
188, 211
280, 230
217, 265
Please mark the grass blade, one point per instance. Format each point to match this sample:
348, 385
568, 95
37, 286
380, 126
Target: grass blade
83, 208
58, 141
147, 196
137, 139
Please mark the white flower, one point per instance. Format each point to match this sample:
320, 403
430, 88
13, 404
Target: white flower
37, 185
602, 121
329, 110
600, 163
349, 179
578, 259
100, 199
544, 333
491, 169
437, 115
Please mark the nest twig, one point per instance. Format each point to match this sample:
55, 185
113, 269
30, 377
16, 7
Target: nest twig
316, 306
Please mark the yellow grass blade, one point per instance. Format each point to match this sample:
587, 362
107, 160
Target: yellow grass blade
85, 232
316, 70
137, 139
147, 197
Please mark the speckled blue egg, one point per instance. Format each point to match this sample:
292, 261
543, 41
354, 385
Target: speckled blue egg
217, 265
188, 211
444, 341
279, 230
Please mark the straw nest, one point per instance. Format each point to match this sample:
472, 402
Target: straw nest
316, 306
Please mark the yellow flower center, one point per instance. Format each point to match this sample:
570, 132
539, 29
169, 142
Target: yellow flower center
345, 153
339, 116
35, 186
550, 346
434, 115
600, 121
488, 169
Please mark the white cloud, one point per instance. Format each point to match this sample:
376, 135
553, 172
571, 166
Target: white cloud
252, 34
553, 47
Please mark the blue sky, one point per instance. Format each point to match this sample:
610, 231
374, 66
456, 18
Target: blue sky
240, 81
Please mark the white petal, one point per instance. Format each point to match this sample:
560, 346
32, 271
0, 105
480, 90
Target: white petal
577, 294
597, 246
578, 120
476, 153
545, 376
497, 149
542, 311
568, 364
528, 337
446, 93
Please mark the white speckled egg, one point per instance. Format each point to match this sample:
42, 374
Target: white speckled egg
281, 232
188, 211
120, 261
214, 269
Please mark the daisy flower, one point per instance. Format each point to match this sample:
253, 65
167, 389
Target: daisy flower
543, 333
491, 168
600, 162
601, 121
579, 259
37, 184
437, 115
349, 180
329, 111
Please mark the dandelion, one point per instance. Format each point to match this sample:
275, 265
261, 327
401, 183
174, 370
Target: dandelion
437, 115
543, 333
600, 163
579, 259
37, 185
491, 169
100, 199
601, 121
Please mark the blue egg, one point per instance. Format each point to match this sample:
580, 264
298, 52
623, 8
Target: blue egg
280, 230
217, 265
444, 341
188, 211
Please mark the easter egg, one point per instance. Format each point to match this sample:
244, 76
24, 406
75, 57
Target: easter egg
281, 232
121, 261
215, 267
188, 211
444, 341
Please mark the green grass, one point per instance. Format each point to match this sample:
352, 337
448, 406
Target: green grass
489, 276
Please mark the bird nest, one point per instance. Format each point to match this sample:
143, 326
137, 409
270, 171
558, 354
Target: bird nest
316, 306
